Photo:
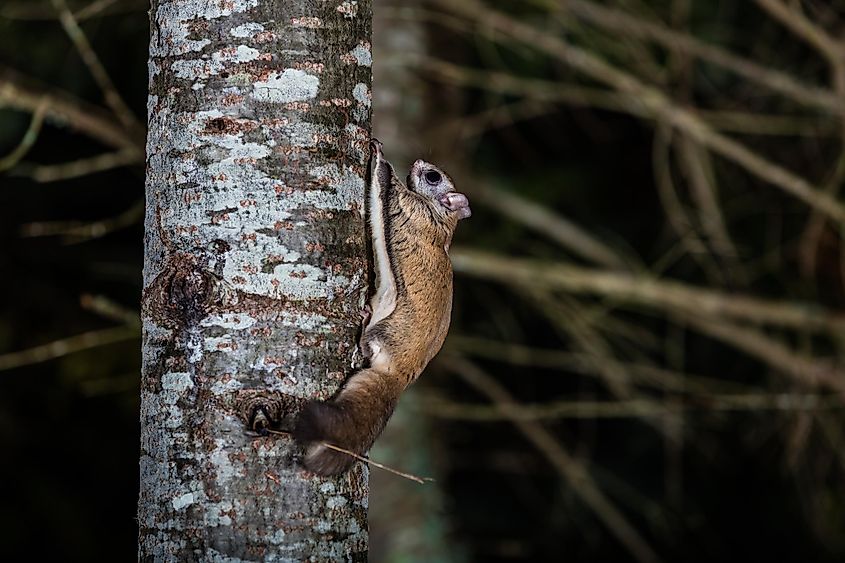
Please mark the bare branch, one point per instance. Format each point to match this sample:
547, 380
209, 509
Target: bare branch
810, 371
73, 232
652, 101
78, 168
665, 295
570, 469
111, 310
23, 93
621, 22
29, 138
546, 91
795, 21
552, 225
747, 123
641, 373
699, 173
30, 10
93, 9
632, 408
92, 61
676, 215
69, 345
816, 222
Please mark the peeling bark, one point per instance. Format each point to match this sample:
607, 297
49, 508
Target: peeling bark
254, 274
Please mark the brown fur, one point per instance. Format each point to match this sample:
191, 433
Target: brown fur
418, 229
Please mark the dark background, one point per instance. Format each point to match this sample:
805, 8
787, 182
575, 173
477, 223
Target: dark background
753, 483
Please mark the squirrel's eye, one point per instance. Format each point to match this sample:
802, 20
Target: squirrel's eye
433, 177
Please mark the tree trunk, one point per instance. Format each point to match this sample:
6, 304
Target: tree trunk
254, 274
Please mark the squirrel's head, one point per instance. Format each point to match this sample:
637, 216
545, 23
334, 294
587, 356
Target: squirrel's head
429, 181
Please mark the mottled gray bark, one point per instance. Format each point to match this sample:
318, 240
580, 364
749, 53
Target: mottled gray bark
254, 273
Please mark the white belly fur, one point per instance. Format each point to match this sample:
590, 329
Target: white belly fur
379, 360
383, 301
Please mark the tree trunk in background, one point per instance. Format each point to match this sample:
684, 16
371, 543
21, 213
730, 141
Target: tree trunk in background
254, 273
409, 523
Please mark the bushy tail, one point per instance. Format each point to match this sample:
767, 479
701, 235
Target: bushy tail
352, 421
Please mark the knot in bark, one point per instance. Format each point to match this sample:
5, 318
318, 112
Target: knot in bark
183, 293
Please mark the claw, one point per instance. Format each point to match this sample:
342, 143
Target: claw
366, 316
260, 422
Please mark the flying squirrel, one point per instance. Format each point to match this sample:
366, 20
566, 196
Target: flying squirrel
411, 227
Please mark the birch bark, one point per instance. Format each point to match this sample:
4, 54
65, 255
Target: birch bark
254, 273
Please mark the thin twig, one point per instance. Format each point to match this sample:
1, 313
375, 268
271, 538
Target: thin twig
632, 408
645, 290
365, 459
699, 172
28, 140
78, 168
795, 21
499, 116
641, 373
547, 91
74, 232
30, 10
621, 22
24, 93
98, 71
676, 214
651, 99
110, 309
568, 318
93, 9
69, 345
552, 225
536, 89
810, 371
420, 480
569, 468
570, 322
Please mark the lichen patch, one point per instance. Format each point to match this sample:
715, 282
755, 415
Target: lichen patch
361, 55
245, 30
349, 8
292, 85
183, 501
172, 29
232, 321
